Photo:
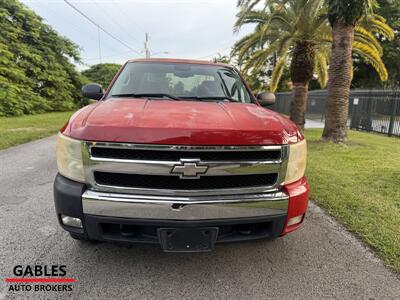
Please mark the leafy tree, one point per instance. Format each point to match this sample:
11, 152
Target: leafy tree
296, 34
344, 17
102, 73
364, 77
36, 73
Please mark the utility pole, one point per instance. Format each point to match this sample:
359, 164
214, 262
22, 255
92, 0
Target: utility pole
146, 45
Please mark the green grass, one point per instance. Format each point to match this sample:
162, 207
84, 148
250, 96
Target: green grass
359, 184
18, 130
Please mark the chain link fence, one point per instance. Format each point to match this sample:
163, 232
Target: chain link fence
369, 110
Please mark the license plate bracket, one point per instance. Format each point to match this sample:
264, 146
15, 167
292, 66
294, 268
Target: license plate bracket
188, 239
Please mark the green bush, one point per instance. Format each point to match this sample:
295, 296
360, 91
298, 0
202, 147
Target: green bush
102, 73
36, 70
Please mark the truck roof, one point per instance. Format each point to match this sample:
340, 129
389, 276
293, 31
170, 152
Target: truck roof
179, 61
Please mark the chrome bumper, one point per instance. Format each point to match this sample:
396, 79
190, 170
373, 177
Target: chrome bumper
184, 208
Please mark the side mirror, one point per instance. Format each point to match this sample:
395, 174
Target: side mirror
92, 91
266, 99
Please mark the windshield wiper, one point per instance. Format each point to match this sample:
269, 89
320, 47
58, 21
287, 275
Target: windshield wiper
217, 98
147, 95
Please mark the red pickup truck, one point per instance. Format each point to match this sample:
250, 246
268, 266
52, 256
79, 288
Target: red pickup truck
179, 153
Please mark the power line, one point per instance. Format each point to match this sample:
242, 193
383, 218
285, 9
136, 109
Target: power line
122, 12
101, 28
55, 13
113, 20
98, 35
137, 26
109, 56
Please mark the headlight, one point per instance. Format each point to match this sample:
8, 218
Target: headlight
69, 158
297, 162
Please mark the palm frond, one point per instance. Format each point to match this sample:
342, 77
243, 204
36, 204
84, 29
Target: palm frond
277, 74
249, 4
281, 24
372, 57
251, 17
325, 38
258, 59
283, 44
382, 28
379, 18
321, 68
361, 34
247, 44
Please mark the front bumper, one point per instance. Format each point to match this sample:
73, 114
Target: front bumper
136, 218
184, 208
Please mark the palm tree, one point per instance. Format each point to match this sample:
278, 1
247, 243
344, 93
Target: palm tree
297, 31
225, 59
345, 17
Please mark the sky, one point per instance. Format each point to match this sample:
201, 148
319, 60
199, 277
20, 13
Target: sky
196, 29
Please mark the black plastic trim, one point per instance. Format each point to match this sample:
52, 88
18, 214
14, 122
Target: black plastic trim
94, 230
68, 200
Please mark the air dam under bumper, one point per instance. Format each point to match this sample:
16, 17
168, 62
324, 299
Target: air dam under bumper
115, 217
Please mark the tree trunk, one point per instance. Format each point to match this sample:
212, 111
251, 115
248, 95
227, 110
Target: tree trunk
301, 72
298, 105
340, 76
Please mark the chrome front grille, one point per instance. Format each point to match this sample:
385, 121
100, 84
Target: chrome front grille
159, 155
175, 183
184, 170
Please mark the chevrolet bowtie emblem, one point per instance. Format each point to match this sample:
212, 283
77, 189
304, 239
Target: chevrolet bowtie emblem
189, 169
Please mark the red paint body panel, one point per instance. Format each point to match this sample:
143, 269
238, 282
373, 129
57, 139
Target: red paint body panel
298, 202
180, 122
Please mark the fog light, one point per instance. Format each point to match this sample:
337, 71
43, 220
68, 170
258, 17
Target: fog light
295, 220
71, 221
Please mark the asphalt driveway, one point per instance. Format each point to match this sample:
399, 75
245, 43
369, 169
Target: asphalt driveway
319, 261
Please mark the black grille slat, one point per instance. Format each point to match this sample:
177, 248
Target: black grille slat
175, 183
157, 155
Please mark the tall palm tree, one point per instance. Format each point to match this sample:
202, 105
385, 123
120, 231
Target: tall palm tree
345, 17
294, 31
296, 34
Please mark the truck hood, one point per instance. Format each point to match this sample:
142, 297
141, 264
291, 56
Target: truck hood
180, 122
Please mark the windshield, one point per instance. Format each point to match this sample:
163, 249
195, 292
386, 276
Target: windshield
180, 81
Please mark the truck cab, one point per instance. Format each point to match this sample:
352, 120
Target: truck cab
179, 153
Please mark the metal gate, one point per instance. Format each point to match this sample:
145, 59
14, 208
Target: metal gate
369, 110
377, 111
